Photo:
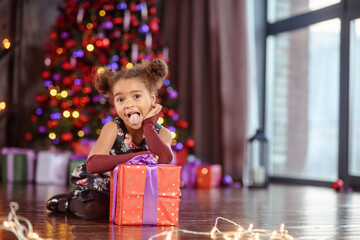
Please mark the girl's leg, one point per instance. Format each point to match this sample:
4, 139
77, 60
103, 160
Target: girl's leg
96, 207
93, 209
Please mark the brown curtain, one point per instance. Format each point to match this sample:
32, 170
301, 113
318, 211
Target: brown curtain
208, 52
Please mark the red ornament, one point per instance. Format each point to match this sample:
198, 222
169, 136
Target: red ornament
108, 7
182, 124
64, 105
185, 124
103, 59
133, 7
190, 143
54, 102
45, 74
118, 20
82, 27
84, 100
99, 43
152, 11
67, 137
105, 42
41, 98
135, 23
53, 123
67, 81
66, 66
84, 118
53, 36
77, 123
170, 112
86, 90
154, 26
339, 184
34, 118
124, 47
76, 101
70, 43
28, 136
141, 56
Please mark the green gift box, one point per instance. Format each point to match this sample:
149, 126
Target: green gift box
17, 165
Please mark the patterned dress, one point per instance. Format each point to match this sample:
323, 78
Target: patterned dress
90, 186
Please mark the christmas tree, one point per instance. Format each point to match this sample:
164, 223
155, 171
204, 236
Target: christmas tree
87, 35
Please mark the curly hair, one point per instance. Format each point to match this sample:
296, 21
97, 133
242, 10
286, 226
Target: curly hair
152, 73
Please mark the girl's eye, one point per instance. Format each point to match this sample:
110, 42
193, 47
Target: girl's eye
120, 100
137, 96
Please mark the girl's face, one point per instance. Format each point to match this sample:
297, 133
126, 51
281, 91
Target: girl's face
132, 101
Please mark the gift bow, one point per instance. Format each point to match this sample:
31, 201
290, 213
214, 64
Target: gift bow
150, 202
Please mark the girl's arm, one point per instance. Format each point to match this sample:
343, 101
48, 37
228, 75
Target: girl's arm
99, 160
159, 144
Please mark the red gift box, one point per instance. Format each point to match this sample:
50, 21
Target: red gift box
181, 156
208, 175
145, 194
83, 146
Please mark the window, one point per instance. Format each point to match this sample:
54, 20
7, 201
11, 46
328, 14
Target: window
312, 84
354, 98
305, 101
282, 9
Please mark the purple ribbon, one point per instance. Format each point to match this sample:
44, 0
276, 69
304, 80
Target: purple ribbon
150, 202
76, 157
10, 152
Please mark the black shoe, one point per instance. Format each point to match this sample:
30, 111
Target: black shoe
58, 203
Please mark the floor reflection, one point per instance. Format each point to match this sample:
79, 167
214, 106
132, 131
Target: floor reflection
138, 232
307, 212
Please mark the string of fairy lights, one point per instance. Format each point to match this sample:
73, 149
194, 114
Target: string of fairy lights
240, 233
22, 228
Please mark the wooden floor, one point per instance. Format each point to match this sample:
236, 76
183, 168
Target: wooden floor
307, 212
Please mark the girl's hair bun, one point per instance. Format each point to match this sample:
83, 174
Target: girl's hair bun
157, 70
103, 80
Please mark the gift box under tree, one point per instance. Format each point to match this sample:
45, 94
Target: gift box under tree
208, 175
83, 146
52, 167
189, 173
145, 193
18, 165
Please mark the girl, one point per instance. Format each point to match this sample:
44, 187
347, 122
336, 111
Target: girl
135, 131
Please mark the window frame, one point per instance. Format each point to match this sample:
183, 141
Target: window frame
346, 11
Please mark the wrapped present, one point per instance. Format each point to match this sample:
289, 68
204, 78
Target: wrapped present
180, 156
18, 165
188, 173
143, 192
83, 146
208, 175
52, 167
74, 161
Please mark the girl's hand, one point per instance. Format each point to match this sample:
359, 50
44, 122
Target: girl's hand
156, 158
155, 109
